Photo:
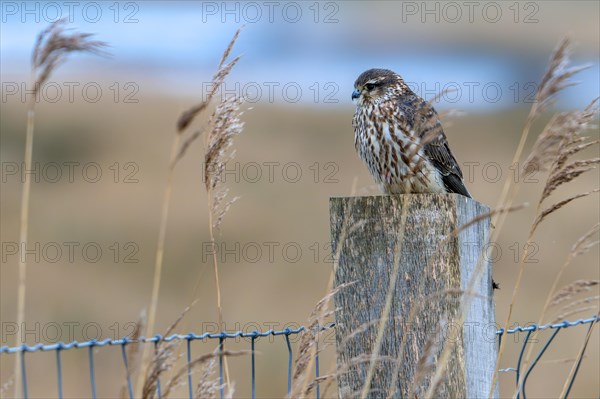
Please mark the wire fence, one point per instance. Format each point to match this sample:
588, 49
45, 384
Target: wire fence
59, 347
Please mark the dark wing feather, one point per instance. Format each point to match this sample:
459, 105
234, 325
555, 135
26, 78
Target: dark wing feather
424, 119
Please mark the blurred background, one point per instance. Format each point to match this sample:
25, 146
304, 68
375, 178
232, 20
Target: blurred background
104, 126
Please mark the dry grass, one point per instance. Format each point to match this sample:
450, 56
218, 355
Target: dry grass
308, 348
426, 361
567, 387
554, 79
557, 143
223, 126
52, 47
573, 289
553, 151
578, 306
6, 386
164, 360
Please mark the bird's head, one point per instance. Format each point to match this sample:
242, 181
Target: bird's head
375, 85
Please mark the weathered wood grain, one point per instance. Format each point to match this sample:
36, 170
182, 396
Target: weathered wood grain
435, 269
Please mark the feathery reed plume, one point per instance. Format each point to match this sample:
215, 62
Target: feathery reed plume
209, 387
302, 382
178, 150
225, 124
577, 306
557, 75
570, 290
186, 118
164, 358
6, 386
553, 81
580, 247
585, 243
179, 376
307, 351
567, 127
163, 361
561, 132
52, 47
579, 302
555, 207
557, 143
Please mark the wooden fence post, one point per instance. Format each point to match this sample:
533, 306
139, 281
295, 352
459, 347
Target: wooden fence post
434, 269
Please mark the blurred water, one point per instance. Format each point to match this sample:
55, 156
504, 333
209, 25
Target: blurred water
311, 52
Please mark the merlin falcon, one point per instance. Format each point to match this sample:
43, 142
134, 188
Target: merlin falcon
400, 138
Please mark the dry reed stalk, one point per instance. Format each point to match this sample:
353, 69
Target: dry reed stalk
225, 124
303, 367
566, 388
164, 358
179, 376
573, 289
305, 362
558, 361
348, 230
581, 246
465, 305
52, 47
554, 79
158, 260
388, 301
574, 307
432, 127
444, 358
467, 294
207, 387
426, 363
563, 316
302, 384
178, 150
134, 350
559, 141
567, 128
357, 360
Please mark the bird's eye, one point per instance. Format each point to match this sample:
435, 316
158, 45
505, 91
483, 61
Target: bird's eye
370, 86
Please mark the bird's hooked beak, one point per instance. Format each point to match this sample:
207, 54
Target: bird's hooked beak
355, 94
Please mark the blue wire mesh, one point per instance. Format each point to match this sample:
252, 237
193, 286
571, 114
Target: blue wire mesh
223, 336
